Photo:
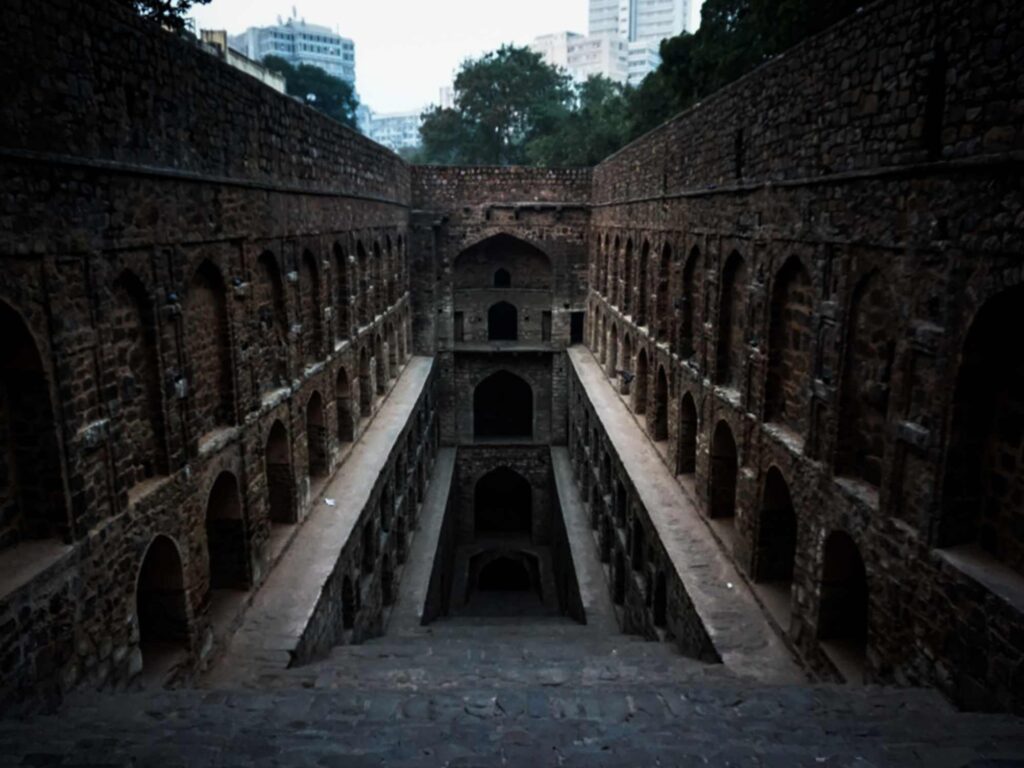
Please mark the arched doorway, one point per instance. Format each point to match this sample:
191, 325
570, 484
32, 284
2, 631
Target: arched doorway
226, 543
310, 303
209, 345
365, 384
502, 279
690, 319
724, 466
640, 387
503, 407
273, 317
343, 405
32, 485
504, 574
843, 609
789, 348
280, 481
343, 294
660, 602
382, 364
161, 604
503, 504
984, 477
687, 461
613, 351
731, 334
316, 436
662, 315
502, 322
776, 532
659, 428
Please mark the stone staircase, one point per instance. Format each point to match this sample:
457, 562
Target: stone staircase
512, 692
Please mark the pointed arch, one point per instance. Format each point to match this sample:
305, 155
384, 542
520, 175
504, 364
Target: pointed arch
662, 312
659, 426
628, 284
280, 479
227, 545
724, 469
690, 318
687, 451
342, 294
161, 602
32, 483
775, 548
864, 389
310, 303
208, 339
503, 407
343, 406
731, 352
641, 383
789, 348
134, 349
316, 436
273, 319
642, 277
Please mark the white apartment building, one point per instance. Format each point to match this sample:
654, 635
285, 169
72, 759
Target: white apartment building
300, 43
395, 130
636, 20
609, 55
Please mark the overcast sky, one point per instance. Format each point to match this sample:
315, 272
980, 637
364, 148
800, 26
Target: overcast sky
407, 49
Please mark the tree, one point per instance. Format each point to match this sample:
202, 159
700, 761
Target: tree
167, 13
322, 91
503, 100
595, 127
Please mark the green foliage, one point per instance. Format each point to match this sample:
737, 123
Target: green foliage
320, 90
594, 128
735, 37
504, 100
513, 108
167, 13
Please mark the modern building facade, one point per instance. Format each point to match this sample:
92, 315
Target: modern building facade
395, 130
608, 55
639, 19
216, 42
299, 42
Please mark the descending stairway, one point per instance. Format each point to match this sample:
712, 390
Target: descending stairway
516, 692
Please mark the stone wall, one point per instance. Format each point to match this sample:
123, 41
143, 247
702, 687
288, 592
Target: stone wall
813, 257
178, 287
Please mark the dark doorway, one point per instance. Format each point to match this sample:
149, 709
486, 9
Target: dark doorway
504, 575
502, 279
503, 503
316, 436
776, 534
502, 322
659, 429
576, 327
724, 464
687, 435
280, 483
161, 605
843, 614
343, 405
503, 407
225, 536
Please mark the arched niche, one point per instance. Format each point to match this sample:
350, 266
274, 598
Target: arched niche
503, 407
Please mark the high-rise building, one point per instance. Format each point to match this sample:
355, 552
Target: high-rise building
608, 55
298, 42
395, 130
639, 19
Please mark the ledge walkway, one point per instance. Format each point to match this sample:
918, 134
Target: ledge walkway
274, 625
731, 616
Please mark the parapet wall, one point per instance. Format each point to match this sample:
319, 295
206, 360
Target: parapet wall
91, 80
904, 82
440, 187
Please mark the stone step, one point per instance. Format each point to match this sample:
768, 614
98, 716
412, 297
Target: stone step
635, 725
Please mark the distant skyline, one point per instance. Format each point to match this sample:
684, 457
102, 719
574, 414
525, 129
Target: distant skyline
406, 50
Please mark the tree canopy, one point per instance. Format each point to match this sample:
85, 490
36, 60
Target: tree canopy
503, 101
321, 90
167, 13
511, 107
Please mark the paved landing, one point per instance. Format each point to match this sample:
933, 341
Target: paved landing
731, 616
620, 726
281, 610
